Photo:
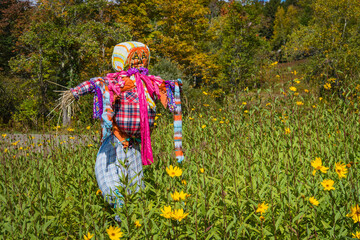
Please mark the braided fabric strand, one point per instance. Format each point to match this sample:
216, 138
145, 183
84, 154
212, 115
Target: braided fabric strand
178, 123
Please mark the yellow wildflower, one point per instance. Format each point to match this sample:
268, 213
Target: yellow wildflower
206, 105
328, 184
88, 236
313, 201
203, 126
262, 218
183, 195
88, 127
317, 165
221, 122
356, 235
292, 88
39, 144
355, 213
166, 212
98, 192
137, 223
89, 145
287, 131
306, 90
174, 171
179, 214
70, 129
5, 150
341, 170
278, 76
320, 98
202, 170
220, 109
191, 118
299, 103
244, 103
268, 104
114, 233
205, 93
262, 207
15, 143
327, 86
296, 94
72, 137
183, 182
297, 81
214, 119
4, 135
246, 111
175, 196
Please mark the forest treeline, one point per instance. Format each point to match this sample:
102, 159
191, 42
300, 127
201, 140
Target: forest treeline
222, 46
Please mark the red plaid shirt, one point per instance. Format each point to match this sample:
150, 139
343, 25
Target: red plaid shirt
127, 108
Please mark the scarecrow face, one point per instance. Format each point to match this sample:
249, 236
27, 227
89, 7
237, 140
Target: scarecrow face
130, 55
138, 57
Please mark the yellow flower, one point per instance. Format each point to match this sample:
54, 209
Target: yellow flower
320, 98
72, 137
183, 195
175, 196
5, 150
268, 104
313, 201
317, 165
179, 214
202, 170
292, 88
246, 111
306, 90
327, 86
191, 118
88, 127
299, 103
155, 124
295, 73
355, 213
183, 182
314, 106
206, 105
220, 109
328, 184
15, 143
70, 129
221, 122
356, 235
297, 81
214, 119
203, 126
114, 233
262, 218
98, 192
341, 170
39, 144
166, 212
205, 93
287, 131
278, 76
88, 236
174, 171
192, 109
262, 207
244, 103
137, 224
4, 135
89, 145
296, 94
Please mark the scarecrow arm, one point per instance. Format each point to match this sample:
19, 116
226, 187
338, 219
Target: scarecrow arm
84, 88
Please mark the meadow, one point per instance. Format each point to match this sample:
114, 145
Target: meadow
256, 166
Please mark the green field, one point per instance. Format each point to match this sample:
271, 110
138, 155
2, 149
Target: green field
256, 147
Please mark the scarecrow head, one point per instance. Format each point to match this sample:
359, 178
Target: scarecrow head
130, 55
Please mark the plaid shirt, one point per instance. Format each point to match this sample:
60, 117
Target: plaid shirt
127, 108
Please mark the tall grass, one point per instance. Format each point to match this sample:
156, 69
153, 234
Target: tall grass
251, 150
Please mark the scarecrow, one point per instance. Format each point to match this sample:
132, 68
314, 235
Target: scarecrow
125, 103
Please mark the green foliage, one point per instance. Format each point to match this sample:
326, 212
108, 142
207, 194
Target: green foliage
247, 156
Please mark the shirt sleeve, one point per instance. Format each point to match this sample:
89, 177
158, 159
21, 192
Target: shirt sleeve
85, 87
